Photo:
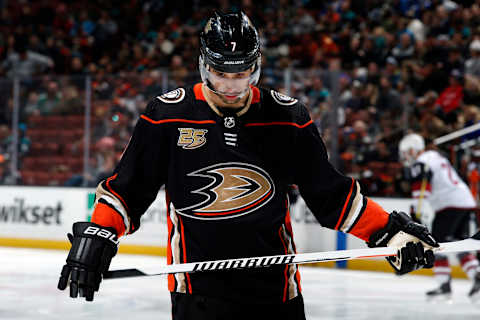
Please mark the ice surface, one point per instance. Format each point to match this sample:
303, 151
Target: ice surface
28, 280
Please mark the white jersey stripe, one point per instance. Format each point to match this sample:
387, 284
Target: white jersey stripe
101, 193
175, 246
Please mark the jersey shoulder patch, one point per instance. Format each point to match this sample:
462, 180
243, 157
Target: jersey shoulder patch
283, 99
174, 96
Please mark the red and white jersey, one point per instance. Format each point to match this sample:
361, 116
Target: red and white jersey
443, 187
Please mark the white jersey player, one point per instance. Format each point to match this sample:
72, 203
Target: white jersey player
434, 179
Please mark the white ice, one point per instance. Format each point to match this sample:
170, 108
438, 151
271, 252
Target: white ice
28, 280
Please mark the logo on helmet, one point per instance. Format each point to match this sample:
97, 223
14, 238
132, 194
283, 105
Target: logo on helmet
234, 189
234, 62
229, 43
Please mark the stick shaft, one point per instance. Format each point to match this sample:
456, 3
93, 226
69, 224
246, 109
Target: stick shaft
471, 244
423, 186
456, 134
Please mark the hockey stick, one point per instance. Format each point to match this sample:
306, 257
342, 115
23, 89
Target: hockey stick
456, 134
470, 244
423, 186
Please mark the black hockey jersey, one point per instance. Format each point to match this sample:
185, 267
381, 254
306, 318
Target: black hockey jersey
226, 176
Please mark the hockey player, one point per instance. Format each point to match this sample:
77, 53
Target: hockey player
227, 152
434, 179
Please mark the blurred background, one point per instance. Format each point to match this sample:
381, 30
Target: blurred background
74, 76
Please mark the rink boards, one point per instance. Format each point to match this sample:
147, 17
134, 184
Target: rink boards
40, 217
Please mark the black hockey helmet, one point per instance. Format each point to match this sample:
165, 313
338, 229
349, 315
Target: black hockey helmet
229, 43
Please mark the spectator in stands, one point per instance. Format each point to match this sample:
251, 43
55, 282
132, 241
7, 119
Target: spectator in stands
70, 102
5, 140
356, 141
388, 98
405, 49
472, 65
318, 93
49, 100
451, 98
391, 71
24, 63
358, 100
5, 177
106, 158
380, 153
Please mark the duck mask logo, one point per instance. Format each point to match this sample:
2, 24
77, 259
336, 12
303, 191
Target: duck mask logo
234, 189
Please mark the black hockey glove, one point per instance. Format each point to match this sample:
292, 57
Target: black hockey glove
93, 248
410, 238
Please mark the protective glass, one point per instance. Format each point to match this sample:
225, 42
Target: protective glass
232, 87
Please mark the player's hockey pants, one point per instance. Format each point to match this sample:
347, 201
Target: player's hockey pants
195, 307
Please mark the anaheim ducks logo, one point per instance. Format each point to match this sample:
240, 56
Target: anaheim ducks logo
174, 96
234, 189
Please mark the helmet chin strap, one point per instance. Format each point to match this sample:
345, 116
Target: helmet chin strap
223, 109
238, 95
204, 72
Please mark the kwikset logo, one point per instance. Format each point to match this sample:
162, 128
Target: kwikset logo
20, 212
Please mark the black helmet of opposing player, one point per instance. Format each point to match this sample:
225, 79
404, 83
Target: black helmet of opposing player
229, 43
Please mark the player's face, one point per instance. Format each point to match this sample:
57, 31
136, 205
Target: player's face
408, 157
230, 87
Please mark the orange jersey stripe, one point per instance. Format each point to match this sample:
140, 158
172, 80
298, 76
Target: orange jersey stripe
288, 224
278, 123
176, 120
171, 277
286, 267
185, 254
197, 90
345, 205
113, 192
107, 217
373, 219
256, 94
